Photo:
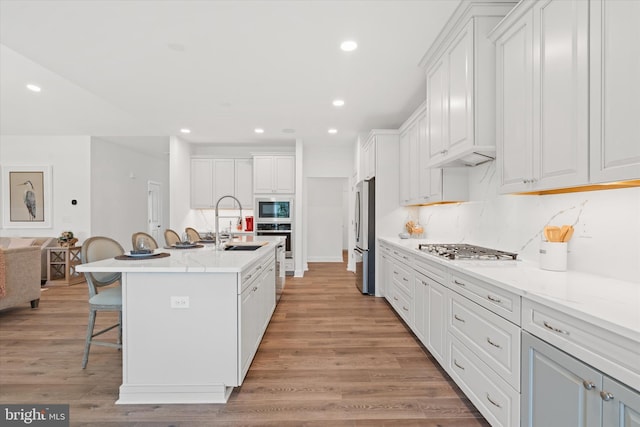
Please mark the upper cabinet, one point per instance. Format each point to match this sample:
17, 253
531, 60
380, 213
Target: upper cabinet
542, 97
615, 90
420, 183
555, 128
460, 81
214, 178
244, 182
274, 174
368, 158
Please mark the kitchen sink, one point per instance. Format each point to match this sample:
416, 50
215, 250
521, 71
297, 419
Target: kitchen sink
242, 247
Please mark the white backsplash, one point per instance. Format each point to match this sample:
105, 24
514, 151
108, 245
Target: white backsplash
607, 224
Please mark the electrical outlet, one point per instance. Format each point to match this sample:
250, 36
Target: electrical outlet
179, 302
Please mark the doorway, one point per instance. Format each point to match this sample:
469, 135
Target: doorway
154, 209
327, 219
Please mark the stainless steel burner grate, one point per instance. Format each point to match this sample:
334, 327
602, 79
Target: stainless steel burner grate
462, 251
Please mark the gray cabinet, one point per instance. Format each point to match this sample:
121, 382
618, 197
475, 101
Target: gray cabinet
560, 390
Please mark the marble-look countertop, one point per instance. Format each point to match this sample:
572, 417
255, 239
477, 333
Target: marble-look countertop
197, 260
608, 303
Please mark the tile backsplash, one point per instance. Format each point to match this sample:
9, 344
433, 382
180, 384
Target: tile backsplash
607, 224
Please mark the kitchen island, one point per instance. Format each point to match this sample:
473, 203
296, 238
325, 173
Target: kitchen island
192, 322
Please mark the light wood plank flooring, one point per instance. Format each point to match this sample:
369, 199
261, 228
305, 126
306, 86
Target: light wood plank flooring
330, 357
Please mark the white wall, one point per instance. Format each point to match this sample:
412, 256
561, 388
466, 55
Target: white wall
607, 224
119, 188
70, 168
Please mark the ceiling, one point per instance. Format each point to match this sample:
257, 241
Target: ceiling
220, 68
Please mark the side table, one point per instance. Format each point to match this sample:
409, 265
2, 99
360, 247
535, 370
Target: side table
61, 265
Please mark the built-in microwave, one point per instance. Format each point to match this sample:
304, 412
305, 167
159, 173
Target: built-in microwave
274, 210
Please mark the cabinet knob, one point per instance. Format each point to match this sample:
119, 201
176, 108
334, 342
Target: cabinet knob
589, 385
606, 396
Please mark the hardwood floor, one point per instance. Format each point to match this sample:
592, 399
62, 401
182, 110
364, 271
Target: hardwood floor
330, 357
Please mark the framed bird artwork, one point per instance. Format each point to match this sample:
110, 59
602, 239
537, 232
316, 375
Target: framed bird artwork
26, 196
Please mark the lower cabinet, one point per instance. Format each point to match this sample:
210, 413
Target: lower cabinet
255, 306
560, 390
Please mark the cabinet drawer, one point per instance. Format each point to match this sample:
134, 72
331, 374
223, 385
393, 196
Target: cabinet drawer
497, 300
494, 398
403, 305
402, 256
402, 278
615, 355
492, 338
432, 270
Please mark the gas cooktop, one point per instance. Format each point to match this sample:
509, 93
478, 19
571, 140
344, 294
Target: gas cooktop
462, 251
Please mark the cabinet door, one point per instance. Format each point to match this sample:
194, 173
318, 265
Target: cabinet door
615, 90
223, 182
557, 389
436, 109
202, 183
414, 162
263, 174
404, 168
421, 306
621, 405
460, 91
561, 100
284, 174
248, 328
244, 182
513, 105
437, 328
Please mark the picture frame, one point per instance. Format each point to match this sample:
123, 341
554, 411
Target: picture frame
26, 196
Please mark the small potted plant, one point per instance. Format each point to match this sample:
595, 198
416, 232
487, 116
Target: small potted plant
66, 239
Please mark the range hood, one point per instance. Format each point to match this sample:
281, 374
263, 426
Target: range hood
470, 156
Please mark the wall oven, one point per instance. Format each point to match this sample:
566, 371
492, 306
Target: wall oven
270, 210
280, 229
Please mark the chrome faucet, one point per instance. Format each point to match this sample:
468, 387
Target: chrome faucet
218, 240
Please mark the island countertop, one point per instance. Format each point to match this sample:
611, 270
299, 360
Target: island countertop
197, 260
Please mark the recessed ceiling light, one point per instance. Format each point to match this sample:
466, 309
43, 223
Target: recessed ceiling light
33, 88
288, 130
348, 45
258, 130
333, 131
338, 102
185, 130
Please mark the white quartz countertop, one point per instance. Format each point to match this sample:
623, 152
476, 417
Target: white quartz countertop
199, 260
609, 303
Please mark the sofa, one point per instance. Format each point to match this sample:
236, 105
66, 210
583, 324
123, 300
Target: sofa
41, 242
20, 276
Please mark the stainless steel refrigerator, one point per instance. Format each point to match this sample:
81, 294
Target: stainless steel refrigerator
364, 227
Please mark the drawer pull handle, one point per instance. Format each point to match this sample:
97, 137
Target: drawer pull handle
493, 344
395, 298
405, 257
493, 402
405, 308
395, 272
248, 277
606, 396
259, 267
589, 385
459, 319
423, 282
405, 279
494, 299
548, 326
459, 283
455, 362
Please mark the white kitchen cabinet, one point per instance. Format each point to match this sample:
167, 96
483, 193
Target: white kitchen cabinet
460, 82
614, 90
542, 96
255, 306
212, 179
402, 285
419, 183
244, 182
274, 174
383, 282
368, 157
559, 389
